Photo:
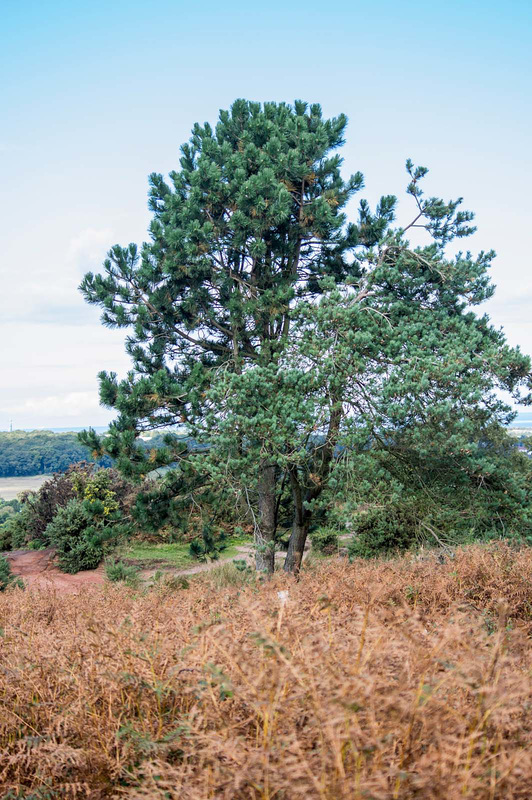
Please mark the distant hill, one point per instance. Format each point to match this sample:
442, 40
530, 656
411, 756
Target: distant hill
97, 428
41, 452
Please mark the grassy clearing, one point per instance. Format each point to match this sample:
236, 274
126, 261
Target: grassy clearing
399, 679
175, 556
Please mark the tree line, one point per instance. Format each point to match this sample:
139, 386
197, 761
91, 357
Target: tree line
41, 452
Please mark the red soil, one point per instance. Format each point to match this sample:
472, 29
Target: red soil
37, 570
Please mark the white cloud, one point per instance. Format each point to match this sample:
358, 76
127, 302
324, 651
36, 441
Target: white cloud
50, 371
88, 248
72, 404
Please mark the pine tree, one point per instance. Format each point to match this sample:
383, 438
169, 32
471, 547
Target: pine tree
252, 221
279, 332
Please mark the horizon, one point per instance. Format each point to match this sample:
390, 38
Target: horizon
97, 98
522, 417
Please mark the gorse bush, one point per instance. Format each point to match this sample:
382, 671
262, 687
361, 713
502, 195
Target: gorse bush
40, 507
82, 513
82, 532
78, 541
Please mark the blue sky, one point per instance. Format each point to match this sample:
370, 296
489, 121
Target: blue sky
96, 95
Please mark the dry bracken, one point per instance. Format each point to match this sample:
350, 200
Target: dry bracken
394, 679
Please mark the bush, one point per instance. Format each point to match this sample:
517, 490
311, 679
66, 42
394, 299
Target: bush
381, 531
8, 508
117, 571
210, 545
325, 540
78, 543
81, 481
39, 508
79, 512
82, 532
6, 576
6, 535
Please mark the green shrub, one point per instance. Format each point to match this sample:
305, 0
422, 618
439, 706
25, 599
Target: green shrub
6, 576
77, 542
82, 533
118, 571
8, 508
6, 536
382, 531
104, 491
14, 531
324, 540
210, 545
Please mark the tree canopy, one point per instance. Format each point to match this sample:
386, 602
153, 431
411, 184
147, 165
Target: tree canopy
288, 338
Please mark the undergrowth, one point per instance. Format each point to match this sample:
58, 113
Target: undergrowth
385, 679
7, 579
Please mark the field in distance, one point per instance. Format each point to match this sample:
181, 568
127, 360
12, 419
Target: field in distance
11, 487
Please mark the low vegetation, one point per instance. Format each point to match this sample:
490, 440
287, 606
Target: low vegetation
398, 679
7, 579
117, 571
82, 513
176, 555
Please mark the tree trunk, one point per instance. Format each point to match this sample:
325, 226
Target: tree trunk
302, 516
265, 531
296, 546
300, 527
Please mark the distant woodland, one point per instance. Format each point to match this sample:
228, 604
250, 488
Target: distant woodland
41, 452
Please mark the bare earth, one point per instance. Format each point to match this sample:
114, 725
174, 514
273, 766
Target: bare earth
38, 571
11, 487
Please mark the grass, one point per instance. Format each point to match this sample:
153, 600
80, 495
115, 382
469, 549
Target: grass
390, 680
176, 556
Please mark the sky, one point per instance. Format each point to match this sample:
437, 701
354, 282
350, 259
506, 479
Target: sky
97, 95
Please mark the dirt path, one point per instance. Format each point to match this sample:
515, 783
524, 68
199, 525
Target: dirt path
37, 570
243, 552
